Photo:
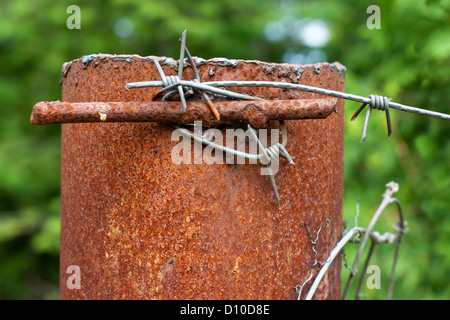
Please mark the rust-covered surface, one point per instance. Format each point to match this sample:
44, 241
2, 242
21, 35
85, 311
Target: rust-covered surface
257, 113
141, 227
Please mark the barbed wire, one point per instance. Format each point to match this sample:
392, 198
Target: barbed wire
267, 155
174, 84
375, 237
184, 88
387, 199
299, 288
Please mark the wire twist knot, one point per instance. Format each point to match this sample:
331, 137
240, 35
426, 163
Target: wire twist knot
169, 80
276, 151
378, 103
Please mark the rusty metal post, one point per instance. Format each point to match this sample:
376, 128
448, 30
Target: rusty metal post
139, 226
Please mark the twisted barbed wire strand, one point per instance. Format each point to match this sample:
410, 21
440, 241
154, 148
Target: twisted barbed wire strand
267, 155
172, 82
374, 101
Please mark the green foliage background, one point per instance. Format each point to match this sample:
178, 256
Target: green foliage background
407, 59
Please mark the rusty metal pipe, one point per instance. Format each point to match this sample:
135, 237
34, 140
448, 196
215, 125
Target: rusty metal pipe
139, 226
257, 113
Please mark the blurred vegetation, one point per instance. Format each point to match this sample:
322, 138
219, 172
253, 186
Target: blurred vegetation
407, 59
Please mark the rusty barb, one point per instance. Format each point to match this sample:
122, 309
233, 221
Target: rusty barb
183, 87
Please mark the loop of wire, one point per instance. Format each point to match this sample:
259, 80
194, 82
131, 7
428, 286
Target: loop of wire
274, 152
379, 102
169, 80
